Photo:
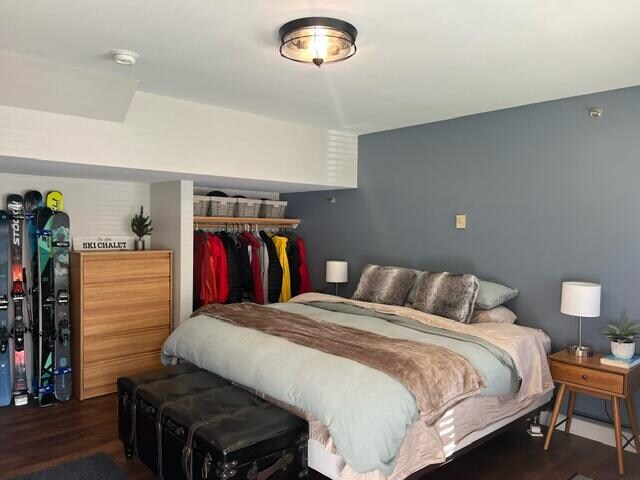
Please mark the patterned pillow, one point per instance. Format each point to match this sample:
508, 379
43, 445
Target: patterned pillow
448, 295
388, 285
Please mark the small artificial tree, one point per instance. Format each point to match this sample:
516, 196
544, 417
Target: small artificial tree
141, 225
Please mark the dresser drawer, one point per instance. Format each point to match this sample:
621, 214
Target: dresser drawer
116, 267
104, 374
609, 382
108, 347
123, 294
117, 319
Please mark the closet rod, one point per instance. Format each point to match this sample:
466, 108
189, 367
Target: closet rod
271, 222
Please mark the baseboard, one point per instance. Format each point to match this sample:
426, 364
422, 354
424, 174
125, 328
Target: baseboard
588, 428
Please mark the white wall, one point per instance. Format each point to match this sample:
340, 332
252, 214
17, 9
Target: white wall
171, 135
95, 207
172, 209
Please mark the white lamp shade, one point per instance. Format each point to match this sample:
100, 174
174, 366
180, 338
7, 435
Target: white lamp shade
337, 271
580, 299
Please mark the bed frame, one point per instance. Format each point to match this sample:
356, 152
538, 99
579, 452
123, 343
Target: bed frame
520, 421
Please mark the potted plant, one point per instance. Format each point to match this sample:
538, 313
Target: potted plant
141, 226
623, 337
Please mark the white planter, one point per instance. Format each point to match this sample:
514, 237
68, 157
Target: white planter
623, 350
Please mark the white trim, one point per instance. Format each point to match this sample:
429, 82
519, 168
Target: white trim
592, 429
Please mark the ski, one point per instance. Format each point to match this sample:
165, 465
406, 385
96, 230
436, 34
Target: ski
44, 221
60, 242
20, 384
5, 354
32, 202
55, 201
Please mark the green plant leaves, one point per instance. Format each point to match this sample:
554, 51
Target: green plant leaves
623, 332
141, 225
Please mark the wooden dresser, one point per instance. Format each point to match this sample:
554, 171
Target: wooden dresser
120, 316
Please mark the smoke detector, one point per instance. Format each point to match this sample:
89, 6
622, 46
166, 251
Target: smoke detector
125, 57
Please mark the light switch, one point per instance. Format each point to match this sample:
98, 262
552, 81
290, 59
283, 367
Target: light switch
461, 221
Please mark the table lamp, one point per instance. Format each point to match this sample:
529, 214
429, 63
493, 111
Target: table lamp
580, 299
337, 272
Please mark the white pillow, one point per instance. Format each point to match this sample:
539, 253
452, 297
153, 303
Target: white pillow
499, 314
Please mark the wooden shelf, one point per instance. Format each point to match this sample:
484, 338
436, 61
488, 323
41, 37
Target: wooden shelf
244, 221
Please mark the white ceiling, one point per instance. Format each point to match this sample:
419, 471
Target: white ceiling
418, 60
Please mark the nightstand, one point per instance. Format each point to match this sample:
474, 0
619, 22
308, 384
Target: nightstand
588, 376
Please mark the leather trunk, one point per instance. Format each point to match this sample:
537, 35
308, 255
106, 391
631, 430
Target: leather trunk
186, 423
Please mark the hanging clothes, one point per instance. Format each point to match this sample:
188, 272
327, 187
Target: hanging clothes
204, 282
305, 280
256, 267
219, 265
293, 257
244, 266
281, 249
264, 269
275, 269
233, 272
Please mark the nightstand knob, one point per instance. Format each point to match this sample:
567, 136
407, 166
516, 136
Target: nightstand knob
584, 377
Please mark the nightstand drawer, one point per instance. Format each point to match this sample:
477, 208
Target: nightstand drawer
609, 382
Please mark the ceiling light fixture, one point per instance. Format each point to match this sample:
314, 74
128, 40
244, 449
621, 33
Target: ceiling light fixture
318, 40
125, 57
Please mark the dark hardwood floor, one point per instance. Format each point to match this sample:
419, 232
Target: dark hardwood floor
32, 438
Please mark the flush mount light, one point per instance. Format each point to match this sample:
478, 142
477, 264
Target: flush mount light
318, 40
125, 57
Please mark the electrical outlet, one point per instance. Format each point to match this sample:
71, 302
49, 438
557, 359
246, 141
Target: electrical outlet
461, 221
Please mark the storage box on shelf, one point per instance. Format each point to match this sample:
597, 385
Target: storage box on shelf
201, 205
273, 209
248, 207
223, 207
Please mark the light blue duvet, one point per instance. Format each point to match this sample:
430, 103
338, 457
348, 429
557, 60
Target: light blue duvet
367, 412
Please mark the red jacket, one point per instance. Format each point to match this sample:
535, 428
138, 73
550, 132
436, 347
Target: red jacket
305, 281
204, 286
219, 269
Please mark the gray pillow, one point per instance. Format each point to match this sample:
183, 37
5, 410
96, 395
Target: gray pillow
388, 285
449, 295
490, 295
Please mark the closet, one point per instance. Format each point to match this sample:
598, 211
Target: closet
259, 260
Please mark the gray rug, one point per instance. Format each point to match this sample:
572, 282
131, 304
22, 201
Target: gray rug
580, 477
95, 467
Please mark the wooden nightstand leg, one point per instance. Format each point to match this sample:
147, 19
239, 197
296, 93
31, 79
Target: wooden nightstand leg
554, 415
634, 422
572, 405
615, 403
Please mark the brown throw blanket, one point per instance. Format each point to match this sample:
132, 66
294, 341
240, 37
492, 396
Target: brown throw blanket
437, 377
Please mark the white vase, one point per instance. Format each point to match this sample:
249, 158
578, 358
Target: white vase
623, 350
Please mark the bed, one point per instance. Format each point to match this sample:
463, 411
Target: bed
363, 423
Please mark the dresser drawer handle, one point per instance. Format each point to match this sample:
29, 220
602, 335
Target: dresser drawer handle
584, 377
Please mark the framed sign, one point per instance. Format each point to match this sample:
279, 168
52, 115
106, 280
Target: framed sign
103, 243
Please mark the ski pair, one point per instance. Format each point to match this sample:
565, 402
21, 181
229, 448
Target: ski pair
53, 241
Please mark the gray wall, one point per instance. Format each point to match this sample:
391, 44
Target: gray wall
549, 193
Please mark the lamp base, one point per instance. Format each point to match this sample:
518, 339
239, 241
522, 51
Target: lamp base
580, 351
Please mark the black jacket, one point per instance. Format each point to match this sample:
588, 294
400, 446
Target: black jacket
293, 255
233, 269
